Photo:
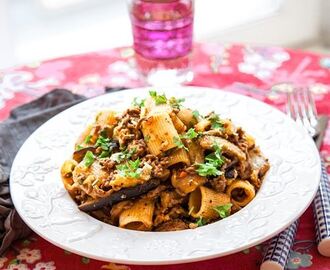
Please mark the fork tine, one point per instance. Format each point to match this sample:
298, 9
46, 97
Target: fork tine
311, 107
304, 107
289, 107
300, 107
295, 109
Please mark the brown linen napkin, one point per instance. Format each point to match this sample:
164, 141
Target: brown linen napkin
14, 131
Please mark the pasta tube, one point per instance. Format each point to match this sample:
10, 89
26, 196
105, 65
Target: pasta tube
203, 200
90, 178
161, 133
241, 192
139, 216
68, 168
179, 156
118, 208
196, 152
150, 108
202, 125
187, 117
229, 127
106, 117
121, 181
249, 140
67, 177
84, 135
185, 183
178, 124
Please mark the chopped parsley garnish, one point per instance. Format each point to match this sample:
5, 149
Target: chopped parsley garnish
191, 134
159, 99
103, 142
79, 147
88, 158
216, 156
88, 139
179, 143
196, 114
162, 99
106, 144
212, 163
215, 120
207, 169
130, 169
176, 102
121, 156
223, 210
200, 222
104, 154
137, 103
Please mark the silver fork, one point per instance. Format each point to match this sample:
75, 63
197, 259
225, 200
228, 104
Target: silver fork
301, 108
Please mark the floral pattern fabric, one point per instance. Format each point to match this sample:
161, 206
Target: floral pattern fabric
260, 72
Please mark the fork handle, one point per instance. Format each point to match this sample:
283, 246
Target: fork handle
321, 210
278, 250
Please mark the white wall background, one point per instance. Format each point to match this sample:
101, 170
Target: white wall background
294, 23
32, 30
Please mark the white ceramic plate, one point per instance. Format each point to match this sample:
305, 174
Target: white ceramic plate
288, 189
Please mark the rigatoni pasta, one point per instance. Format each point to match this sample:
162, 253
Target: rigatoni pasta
178, 156
159, 166
203, 200
185, 183
160, 133
241, 192
138, 217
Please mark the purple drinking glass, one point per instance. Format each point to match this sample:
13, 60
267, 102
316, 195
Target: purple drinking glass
162, 32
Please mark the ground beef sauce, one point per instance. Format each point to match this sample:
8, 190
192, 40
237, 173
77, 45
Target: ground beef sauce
127, 128
159, 166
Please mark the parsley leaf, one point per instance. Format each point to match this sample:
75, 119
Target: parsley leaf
121, 156
88, 139
176, 103
212, 164
79, 147
223, 210
179, 143
106, 144
104, 154
196, 114
88, 158
200, 222
191, 134
207, 169
159, 99
215, 157
130, 169
137, 103
215, 120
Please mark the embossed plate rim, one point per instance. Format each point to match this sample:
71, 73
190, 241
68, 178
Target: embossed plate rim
248, 225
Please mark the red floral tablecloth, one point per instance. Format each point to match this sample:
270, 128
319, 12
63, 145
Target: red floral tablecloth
260, 72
